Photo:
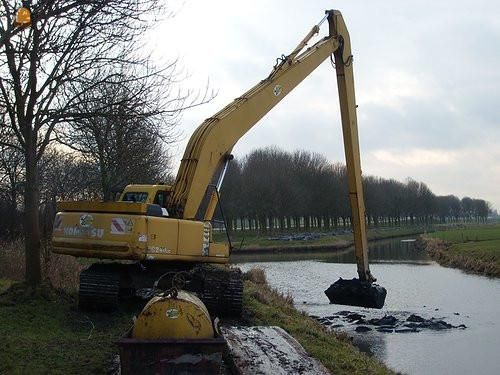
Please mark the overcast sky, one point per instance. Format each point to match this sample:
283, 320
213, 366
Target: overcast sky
427, 77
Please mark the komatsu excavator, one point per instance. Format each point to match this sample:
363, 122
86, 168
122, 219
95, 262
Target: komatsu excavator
167, 230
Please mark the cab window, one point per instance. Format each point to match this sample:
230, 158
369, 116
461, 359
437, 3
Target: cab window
161, 198
135, 196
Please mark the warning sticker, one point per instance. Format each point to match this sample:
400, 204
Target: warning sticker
120, 225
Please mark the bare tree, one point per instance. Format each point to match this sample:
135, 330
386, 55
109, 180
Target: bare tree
66, 176
11, 186
40, 68
271, 188
135, 118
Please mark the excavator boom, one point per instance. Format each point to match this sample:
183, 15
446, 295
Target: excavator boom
169, 228
208, 151
212, 142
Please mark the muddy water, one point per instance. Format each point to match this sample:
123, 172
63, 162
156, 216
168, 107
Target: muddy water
415, 285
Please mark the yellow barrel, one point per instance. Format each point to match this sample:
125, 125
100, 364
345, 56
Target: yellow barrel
182, 317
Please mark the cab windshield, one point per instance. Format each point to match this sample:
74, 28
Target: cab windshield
135, 196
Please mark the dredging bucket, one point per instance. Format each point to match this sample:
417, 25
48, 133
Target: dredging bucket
356, 293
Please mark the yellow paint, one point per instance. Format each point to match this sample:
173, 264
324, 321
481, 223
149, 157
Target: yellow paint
91, 206
163, 233
191, 237
183, 317
209, 147
89, 234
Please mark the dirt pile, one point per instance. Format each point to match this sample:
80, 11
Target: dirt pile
387, 323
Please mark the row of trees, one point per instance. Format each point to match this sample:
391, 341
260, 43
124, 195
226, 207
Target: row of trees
272, 188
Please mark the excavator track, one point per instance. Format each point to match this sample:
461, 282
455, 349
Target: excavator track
99, 289
104, 286
223, 293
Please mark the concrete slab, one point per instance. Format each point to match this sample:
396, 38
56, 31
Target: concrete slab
268, 350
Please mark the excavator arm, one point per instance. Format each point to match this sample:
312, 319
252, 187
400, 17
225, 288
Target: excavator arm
195, 192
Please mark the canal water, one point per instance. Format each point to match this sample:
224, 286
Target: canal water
415, 285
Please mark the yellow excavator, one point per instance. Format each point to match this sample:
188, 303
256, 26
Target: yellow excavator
166, 231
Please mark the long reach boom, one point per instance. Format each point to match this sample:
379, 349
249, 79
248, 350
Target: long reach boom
206, 156
168, 229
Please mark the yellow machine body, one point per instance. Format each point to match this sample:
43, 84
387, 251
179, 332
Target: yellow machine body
180, 317
173, 223
127, 230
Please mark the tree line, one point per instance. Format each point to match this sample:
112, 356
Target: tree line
274, 189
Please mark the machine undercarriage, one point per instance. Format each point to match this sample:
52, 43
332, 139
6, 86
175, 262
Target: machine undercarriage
104, 286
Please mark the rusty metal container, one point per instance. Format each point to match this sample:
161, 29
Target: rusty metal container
179, 315
171, 356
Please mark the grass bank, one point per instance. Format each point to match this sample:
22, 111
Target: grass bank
62, 270
283, 241
265, 306
474, 249
43, 333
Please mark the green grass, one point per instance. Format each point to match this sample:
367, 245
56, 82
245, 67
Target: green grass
4, 284
335, 352
44, 334
466, 234
488, 251
475, 249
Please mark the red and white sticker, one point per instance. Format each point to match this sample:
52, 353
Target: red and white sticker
121, 225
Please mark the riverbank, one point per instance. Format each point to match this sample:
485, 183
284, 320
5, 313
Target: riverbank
266, 306
45, 333
472, 249
257, 243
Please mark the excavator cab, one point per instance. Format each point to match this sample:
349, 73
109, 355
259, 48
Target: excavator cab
149, 194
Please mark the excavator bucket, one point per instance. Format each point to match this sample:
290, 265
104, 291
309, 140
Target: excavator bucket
356, 293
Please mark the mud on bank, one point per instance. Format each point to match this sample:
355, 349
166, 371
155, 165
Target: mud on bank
266, 306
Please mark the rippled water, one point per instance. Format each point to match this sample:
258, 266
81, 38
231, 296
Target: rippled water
415, 285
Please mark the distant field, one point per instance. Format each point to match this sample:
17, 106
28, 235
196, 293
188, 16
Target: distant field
486, 250
339, 238
466, 234
475, 249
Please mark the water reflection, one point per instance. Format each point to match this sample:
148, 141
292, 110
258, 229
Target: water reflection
394, 250
415, 285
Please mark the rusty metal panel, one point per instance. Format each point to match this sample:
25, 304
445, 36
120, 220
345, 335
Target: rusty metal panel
197, 356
